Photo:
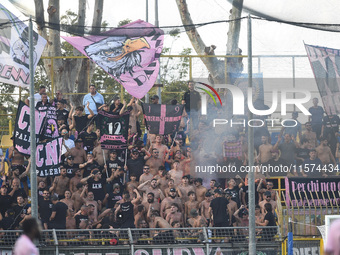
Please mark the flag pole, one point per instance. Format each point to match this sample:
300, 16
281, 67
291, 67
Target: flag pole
34, 191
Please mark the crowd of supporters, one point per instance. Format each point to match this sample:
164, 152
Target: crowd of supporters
153, 184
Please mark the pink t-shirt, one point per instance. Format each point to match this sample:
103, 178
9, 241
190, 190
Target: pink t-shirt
24, 246
333, 238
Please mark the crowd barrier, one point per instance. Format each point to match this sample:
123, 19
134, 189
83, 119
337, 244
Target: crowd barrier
149, 241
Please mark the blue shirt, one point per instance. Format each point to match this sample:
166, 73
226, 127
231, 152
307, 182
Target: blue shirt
88, 98
317, 114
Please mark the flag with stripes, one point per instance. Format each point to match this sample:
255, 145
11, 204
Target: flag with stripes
130, 54
162, 119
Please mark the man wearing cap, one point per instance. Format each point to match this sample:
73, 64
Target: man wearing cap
192, 103
154, 99
70, 166
218, 210
135, 164
168, 201
200, 190
77, 152
113, 197
95, 184
268, 199
94, 98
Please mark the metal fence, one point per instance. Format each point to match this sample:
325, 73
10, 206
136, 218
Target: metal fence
129, 241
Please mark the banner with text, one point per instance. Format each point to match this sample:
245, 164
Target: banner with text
48, 157
113, 130
22, 137
162, 119
14, 49
50, 129
319, 192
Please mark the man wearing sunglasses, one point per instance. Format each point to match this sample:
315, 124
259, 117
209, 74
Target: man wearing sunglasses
135, 164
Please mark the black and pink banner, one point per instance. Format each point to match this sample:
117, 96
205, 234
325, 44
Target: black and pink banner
22, 138
161, 118
50, 127
48, 157
113, 130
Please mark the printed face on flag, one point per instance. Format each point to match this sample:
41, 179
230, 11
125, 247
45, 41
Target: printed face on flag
14, 49
130, 54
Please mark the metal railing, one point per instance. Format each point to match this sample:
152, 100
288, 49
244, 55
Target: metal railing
128, 241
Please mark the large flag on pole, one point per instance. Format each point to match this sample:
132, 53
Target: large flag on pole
325, 63
130, 54
162, 119
14, 49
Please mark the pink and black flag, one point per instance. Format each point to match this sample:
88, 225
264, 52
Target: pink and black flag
130, 54
325, 63
162, 119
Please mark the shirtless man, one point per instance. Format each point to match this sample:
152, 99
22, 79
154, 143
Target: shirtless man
151, 186
161, 177
171, 184
200, 190
140, 214
151, 203
90, 200
78, 201
163, 149
67, 200
174, 214
155, 221
309, 135
77, 152
75, 180
191, 204
268, 199
98, 154
132, 184
264, 151
258, 215
232, 205
168, 201
154, 162
16, 160
204, 206
61, 183
92, 214
325, 154
269, 188
196, 221
185, 188
176, 174
146, 176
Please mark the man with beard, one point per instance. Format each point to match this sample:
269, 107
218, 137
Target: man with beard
163, 149
95, 185
25, 243
176, 174
310, 135
67, 143
234, 191
151, 202
151, 186
70, 166
75, 180
78, 153
45, 208
14, 191
61, 183
184, 188
134, 165
263, 191
268, 199
276, 160
168, 201
154, 162
146, 176
264, 150
200, 190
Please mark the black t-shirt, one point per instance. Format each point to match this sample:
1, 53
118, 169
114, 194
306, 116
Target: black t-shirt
79, 218
97, 187
81, 122
302, 153
191, 99
8, 223
235, 195
246, 190
89, 167
19, 192
88, 140
113, 199
116, 112
45, 209
219, 209
5, 203
42, 107
63, 113
59, 221
70, 169
128, 217
331, 125
270, 218
113, 164
135, 166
